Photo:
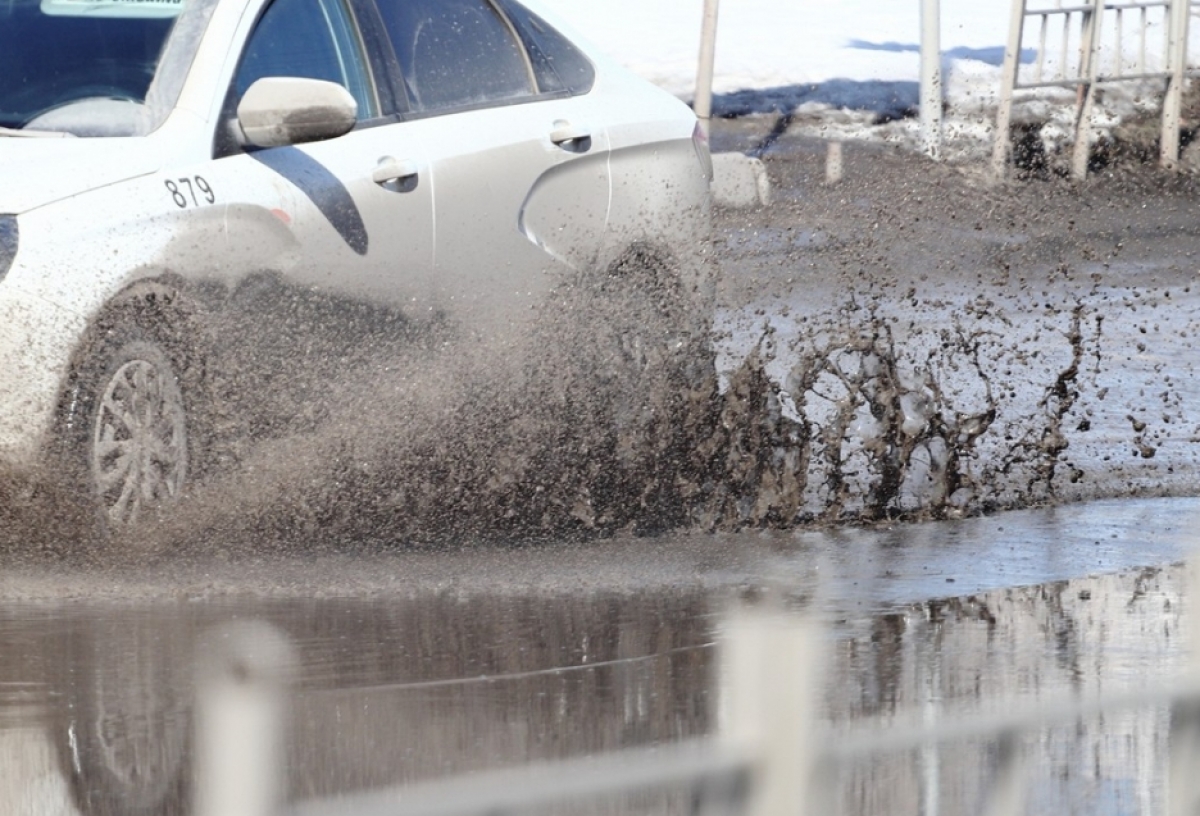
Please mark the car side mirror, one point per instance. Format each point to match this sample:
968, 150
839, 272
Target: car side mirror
280, 111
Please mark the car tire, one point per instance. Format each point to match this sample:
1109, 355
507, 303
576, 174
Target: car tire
127, 439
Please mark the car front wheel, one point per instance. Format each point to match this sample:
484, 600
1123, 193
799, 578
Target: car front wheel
138, 446
126, 439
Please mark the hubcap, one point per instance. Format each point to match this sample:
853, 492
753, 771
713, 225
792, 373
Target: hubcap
139, 446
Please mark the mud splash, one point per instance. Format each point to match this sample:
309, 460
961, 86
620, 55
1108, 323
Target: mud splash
866, 426
423, 438
895, 361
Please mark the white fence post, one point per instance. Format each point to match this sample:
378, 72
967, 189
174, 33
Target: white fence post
772, 664
1177, 37
1002, 146
241, 675
1006, 797
931, 78
1088, 65
704, 71
834, 164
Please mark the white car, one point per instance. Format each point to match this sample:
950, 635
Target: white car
163, 161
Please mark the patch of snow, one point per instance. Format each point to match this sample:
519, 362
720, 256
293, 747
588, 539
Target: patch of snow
778, 43
854, 64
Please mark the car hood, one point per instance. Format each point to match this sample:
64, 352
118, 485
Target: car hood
35, 172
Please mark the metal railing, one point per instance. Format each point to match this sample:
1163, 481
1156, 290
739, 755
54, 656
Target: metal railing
770, 757
1071, 71
717, 781
1068, 37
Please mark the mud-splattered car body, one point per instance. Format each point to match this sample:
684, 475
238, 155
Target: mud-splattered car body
464, 198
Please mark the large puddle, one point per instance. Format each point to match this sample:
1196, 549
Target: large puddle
415, 666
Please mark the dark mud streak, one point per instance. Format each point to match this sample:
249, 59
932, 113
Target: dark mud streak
756, 460
1041, 446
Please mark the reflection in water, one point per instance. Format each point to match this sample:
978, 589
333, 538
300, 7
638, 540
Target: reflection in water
1008, 648
95, 697
383, 693
30, 779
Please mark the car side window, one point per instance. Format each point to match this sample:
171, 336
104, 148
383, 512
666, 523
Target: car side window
456, 53
558, 64
311, 39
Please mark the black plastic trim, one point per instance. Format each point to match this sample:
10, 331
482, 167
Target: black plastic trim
382, 62
525, 22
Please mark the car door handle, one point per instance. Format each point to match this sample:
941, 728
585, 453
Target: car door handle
395, 171
569, 136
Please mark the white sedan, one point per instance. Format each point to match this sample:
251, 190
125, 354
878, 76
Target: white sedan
448, 160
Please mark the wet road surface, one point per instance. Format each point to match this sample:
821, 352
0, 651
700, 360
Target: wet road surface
414, 666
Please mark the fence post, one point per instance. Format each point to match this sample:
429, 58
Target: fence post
1002, 146
834, 166
771, 665
1088, 65
702, 104
1177, 38
1006, 796
241, 675
931, 78
1183, 781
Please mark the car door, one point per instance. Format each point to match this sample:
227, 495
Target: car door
359, 206
518, 162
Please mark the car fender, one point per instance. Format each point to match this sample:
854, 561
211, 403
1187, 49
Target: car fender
133, 232
559, 219
660, 198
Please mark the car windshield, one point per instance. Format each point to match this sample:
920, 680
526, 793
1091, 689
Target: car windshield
94, 67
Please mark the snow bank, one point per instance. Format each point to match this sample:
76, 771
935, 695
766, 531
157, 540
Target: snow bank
779, 43
858, 59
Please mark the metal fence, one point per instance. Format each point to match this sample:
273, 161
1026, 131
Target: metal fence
770, 758
1081, 44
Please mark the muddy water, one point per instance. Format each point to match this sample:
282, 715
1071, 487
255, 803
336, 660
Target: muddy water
910, 343
945, 345
415, 666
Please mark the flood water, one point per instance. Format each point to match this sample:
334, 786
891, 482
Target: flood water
410, 667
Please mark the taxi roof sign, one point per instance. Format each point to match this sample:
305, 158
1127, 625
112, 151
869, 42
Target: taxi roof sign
113, 8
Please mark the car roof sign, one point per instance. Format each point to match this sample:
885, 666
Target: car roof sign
112, 8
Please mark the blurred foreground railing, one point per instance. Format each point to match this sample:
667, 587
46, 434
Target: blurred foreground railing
769, 758
717, 780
